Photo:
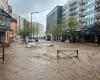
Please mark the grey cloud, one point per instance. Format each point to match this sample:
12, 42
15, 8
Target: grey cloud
25, 7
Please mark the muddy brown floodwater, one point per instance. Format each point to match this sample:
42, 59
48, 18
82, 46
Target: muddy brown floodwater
41, 63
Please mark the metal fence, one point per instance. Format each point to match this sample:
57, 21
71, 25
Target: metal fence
68, 53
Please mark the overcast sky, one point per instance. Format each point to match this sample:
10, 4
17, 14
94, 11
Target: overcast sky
25, 7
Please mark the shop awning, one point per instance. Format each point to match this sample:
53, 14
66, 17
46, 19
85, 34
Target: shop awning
3, 13
3, 27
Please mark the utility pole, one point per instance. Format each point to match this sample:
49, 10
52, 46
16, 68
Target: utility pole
25, 30
31, 25
19, 23
37, 30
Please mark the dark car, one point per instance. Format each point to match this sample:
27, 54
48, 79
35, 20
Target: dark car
36, 39
63, 40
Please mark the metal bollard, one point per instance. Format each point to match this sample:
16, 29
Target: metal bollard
77, 54
3, 56
3, 52
57, 54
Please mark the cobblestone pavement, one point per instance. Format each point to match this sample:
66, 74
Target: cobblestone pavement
41, 63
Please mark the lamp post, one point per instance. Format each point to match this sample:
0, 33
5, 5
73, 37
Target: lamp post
37, 30
31, 23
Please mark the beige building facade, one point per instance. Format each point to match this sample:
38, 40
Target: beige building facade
6, 20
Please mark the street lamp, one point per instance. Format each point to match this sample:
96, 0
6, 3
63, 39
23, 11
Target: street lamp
31, 22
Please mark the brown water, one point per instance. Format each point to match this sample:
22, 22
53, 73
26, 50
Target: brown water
41, 63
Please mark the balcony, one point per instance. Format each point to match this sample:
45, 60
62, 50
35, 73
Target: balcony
97, 7
82, 8
97, 1
73, 13
6, 19
82, 3
82, 21
82, 15
97, 26
73, 3
98, 16
73, 8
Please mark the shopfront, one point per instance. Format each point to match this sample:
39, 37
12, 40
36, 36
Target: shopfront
5, 22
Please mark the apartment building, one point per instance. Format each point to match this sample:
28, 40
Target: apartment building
97, 21
38, 30
13, 33
21, 22
97, 15
86, 12
90, 13
76, 9
66, 13
4, 5
73, 5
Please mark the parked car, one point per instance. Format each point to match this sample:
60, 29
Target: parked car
27, 39
67, 41
36, 39
31, 43
63, 40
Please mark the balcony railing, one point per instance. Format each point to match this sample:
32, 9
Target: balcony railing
82, 15
97, 7
82, 3
73, 3
97, 1
82, 8
98, 16
97, 26
73, 8
82, 21
73, 13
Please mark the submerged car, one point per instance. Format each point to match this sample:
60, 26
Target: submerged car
31, 43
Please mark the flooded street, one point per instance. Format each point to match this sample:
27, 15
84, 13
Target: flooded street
41, 63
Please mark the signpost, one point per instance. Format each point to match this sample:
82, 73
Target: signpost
51, 40
3, 52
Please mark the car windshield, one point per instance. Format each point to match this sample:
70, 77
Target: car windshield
31, 41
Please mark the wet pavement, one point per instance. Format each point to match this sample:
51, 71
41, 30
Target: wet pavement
41, 63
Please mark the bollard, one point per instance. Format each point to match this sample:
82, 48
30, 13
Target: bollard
57, 54
3, 56
3, 52
77, 54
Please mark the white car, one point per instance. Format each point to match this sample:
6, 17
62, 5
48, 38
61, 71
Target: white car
31, 43
67, 41
27, 40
